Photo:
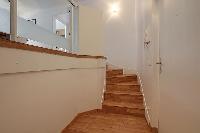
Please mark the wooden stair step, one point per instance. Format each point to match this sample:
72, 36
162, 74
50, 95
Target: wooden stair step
122, 78
114, 72
123, 104
124, 75
124, 97
121, 92
125, 87
123, 108
133, 83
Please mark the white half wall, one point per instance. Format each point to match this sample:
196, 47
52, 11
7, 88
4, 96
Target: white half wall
42, 93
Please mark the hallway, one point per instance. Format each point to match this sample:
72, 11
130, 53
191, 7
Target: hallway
100, 66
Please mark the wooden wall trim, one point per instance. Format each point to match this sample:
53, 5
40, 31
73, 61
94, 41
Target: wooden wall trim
16, 45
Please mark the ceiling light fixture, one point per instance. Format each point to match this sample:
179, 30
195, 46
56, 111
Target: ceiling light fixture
115, 8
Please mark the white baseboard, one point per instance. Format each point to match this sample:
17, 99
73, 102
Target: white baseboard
144, 99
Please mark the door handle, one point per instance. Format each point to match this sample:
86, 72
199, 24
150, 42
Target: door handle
159, 63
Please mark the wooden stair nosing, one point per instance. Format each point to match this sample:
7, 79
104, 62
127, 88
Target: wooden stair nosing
123, 76
125, 83
127, 105
111, 73
124, 98
113, 70
124, 110
121, 80
124, 93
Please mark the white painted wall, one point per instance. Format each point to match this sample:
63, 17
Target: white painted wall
118, 32
119, 35
180, 52
44, 19
42, 93
44, 11
59, 25
90, 31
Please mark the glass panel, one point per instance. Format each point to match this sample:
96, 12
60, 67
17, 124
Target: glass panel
75, 29
44, 23
4, 18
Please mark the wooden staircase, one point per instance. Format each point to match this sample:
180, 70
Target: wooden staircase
122, 112
122, 94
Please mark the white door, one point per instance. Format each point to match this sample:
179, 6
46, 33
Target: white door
152, 63
157, 64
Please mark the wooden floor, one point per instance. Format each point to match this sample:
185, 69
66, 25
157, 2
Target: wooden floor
101, 122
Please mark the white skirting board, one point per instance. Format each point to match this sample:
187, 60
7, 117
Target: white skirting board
144, 99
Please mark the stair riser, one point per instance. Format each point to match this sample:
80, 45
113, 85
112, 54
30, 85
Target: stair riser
124, 110
121, 79
114, 73
124, 98
124, 88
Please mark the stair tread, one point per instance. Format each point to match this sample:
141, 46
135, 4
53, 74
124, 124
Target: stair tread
124, 83
123, 75
123, 104
114, 70
133, 93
